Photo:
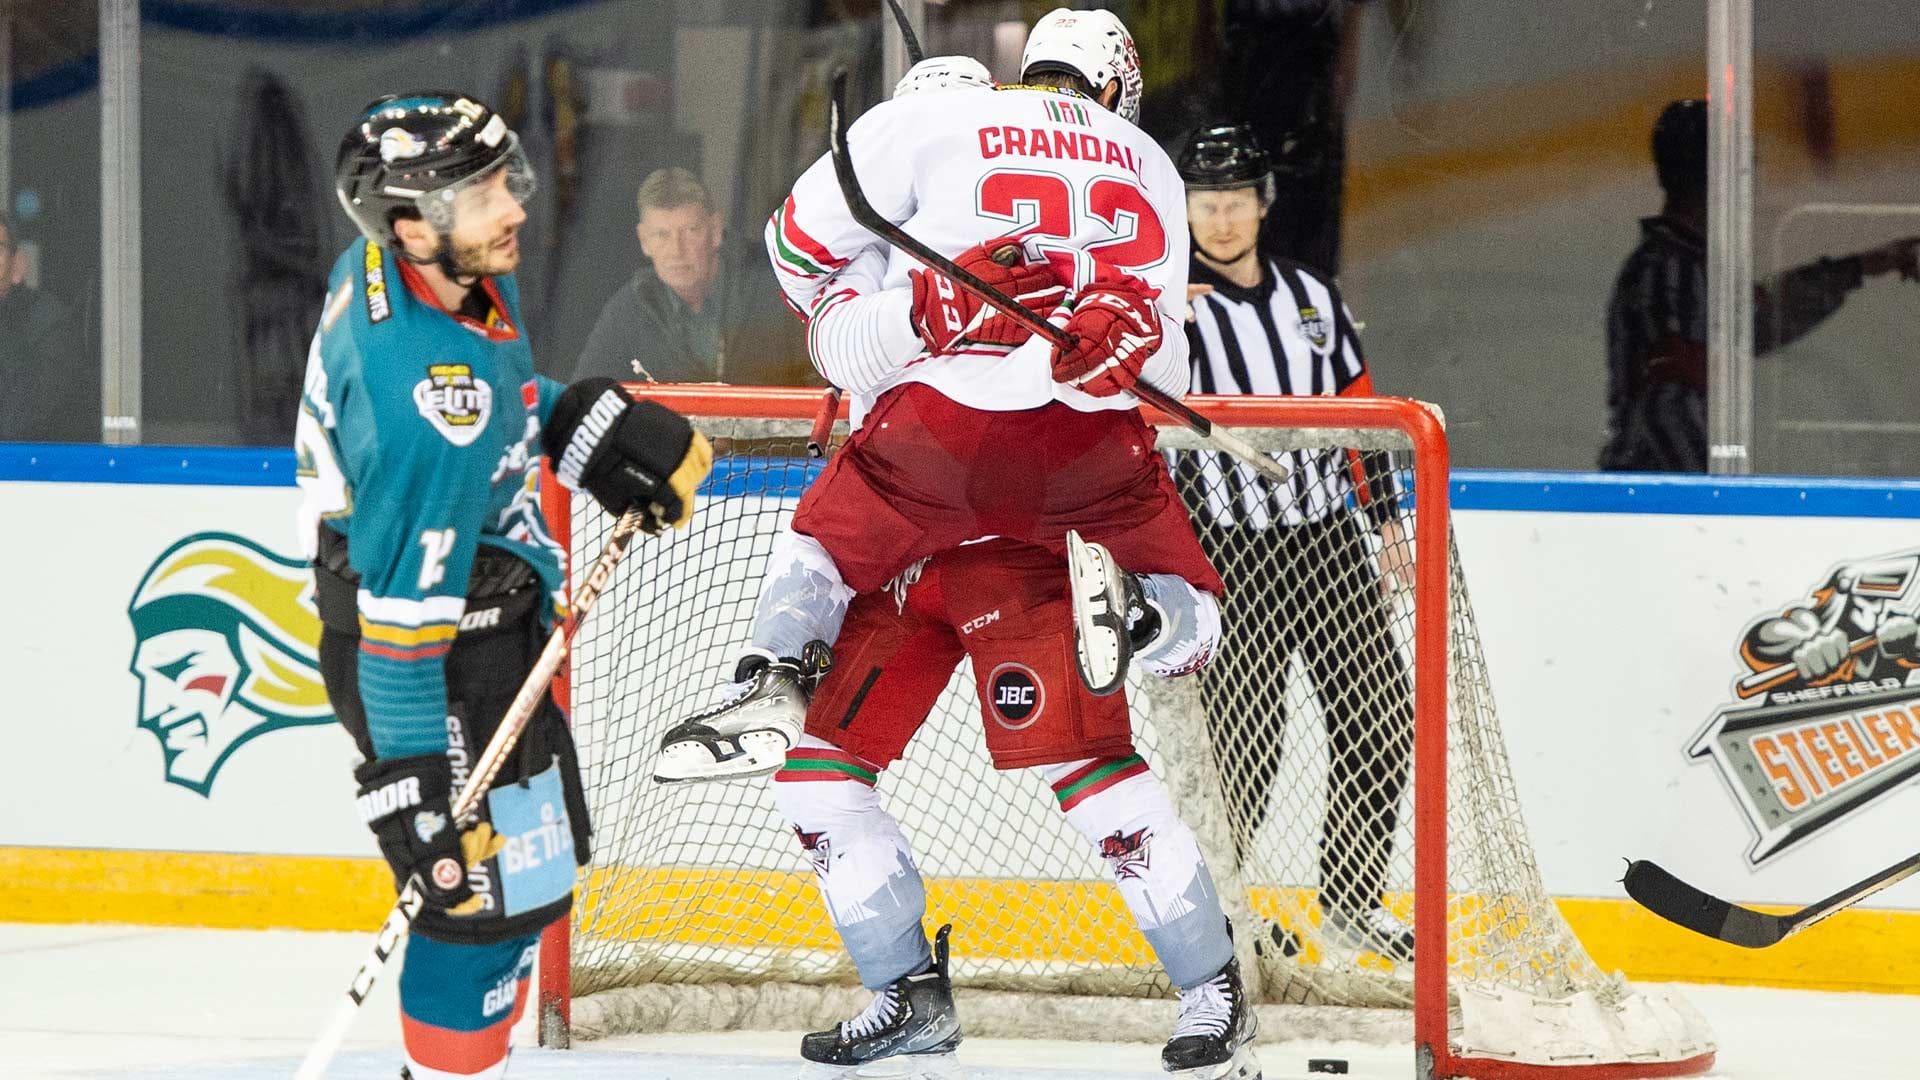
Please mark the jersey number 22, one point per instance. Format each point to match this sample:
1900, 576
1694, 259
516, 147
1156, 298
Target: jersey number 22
1046, 203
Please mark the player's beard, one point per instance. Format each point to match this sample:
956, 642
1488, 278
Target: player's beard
484, 259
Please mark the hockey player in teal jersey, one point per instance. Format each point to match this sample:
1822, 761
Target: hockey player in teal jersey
420, 434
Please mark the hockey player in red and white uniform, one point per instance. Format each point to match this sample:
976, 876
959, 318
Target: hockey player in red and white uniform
956, 516
1099, 210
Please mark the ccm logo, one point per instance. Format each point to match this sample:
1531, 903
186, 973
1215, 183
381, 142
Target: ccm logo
971, 625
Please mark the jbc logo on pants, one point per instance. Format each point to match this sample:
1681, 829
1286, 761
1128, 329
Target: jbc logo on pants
1016, 696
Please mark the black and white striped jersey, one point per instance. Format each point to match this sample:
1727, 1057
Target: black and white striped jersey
1289, 334
1657, 342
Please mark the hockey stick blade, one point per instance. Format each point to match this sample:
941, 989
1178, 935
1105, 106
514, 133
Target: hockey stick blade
1683, 905
915, 53
1653, 888
411, 900
873, 221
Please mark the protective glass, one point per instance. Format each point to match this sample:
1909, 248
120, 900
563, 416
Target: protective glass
478, 194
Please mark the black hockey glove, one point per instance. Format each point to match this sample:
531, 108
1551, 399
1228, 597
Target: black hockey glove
627, 453
407, 802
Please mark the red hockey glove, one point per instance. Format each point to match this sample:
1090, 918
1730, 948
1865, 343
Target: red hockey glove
943, 314
1117, 328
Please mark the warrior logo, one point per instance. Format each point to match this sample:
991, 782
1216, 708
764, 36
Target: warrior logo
226, 647
454, 402
817, 847
1128, 854
1826, 716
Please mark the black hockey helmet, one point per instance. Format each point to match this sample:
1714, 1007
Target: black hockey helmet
1680, 146
411, 155
1226, 156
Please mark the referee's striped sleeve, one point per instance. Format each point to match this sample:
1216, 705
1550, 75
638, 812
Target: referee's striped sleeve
1374, 484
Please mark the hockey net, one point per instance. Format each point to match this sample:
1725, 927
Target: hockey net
1342, 747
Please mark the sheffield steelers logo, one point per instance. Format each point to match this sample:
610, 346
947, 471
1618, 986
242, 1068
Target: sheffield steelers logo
1015, 696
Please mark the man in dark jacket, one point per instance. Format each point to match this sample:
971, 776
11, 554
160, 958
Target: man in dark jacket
1657, 319
53, 392
699, 309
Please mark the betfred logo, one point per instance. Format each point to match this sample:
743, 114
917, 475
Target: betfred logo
1825, 716
1015, 696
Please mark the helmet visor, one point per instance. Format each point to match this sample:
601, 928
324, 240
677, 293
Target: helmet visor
485, 193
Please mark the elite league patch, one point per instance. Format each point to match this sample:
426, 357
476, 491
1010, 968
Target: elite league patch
454, 402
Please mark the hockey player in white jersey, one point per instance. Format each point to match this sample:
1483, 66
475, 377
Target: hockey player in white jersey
876, 323
971, 431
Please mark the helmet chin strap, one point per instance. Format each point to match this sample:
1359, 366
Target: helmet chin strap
442, 258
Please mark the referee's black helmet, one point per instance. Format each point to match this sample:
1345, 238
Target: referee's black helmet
1680, 147
1223, 157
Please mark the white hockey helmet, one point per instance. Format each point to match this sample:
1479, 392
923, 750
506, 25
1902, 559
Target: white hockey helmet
1092, 44
944, 73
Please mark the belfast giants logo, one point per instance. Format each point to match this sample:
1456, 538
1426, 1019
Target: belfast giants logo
226, 647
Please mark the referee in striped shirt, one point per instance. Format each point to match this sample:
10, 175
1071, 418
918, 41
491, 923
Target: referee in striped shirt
1657, 317
1301, 579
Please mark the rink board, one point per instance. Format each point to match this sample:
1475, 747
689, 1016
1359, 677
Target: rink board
1611, 612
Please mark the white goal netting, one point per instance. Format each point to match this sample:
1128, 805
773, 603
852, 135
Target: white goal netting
1291, 755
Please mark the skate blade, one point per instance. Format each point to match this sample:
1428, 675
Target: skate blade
905, 1067
755, 753
1242, 1066
1101, 648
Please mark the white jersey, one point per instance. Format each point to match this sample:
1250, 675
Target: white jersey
954, 169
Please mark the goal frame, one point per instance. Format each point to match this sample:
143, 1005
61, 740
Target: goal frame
1420, 425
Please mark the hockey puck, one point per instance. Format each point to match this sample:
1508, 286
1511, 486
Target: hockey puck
1337, 1066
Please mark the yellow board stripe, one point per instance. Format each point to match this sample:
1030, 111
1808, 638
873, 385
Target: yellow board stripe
212, 889
1873, 950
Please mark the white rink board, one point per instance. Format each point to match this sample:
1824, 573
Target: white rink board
1611, 639
75, 704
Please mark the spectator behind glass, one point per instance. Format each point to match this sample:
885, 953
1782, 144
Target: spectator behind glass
1657, 320
700, 308
45, 398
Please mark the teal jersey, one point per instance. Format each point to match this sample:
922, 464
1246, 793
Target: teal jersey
419, 440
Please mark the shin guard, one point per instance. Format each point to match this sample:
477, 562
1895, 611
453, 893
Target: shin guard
860, 857
1124, 810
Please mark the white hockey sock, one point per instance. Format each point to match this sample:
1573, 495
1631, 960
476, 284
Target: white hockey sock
860, 858
802, 597
1124, 810
1189, 626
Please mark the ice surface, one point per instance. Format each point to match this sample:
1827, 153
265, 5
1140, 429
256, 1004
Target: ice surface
117, 1001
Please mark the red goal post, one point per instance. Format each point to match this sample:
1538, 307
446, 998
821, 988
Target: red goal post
1439, 618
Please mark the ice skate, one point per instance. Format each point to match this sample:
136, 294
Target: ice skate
750, 733
909, 1030
1107, 603
1213, 1038
1375, 930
